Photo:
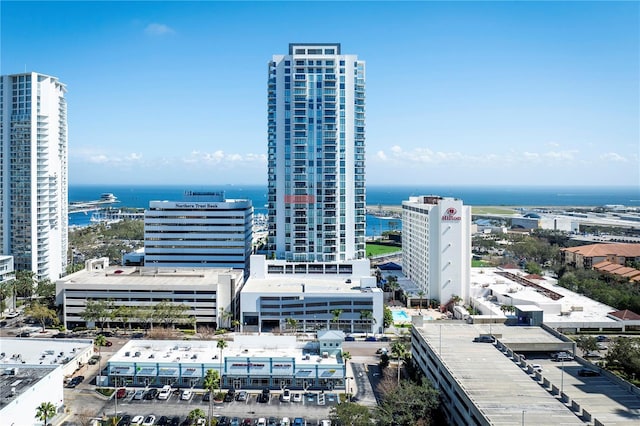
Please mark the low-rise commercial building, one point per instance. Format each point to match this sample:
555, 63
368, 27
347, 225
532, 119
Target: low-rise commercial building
208, 293
248, 362
280, 295
587, 256
33, 372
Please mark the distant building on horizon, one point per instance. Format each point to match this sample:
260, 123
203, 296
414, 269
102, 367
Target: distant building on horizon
33, 173
436, 246
316, 172
203, 230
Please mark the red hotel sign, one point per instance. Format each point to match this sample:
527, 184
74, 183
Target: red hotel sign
450, 215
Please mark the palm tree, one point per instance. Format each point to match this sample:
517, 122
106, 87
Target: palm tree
421, 295
346, 356
225, 316
45, 411
336, 316
99, 341
392, 284
398, 350
211, 380
292, 323
222, 344
196, 414
235, 324
367, 316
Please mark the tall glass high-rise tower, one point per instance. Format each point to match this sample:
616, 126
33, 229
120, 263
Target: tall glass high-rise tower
316, 113
33, 173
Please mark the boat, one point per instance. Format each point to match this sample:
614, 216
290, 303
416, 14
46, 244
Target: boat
108, 197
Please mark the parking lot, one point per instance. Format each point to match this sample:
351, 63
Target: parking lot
313, 406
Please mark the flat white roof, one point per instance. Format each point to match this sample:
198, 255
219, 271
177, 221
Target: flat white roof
294, 283
32, 351
143, 276
206, 351
581, 308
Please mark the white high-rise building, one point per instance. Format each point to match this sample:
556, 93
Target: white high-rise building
316, 113
203, 230
33, 173
436, 246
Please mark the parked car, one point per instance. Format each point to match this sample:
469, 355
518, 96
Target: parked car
229, 396
150, 420
536, 367
105, 333
151, 394
165, 392
163, 421
241, 396
206, 397
234, 422
561, 356
138, 395
484, 339
247, 422
298, 421
121, 393
587, 372
23, 334
595, 355
286, 395
137, 420
602, 346
285, 422
125, 420
186, 395
261, 422
271, 421
175, 421
371, 339
296, 397
602, 338
349, 339
223, 421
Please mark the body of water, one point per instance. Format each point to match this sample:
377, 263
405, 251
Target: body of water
140, 195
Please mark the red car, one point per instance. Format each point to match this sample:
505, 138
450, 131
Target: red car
121, 393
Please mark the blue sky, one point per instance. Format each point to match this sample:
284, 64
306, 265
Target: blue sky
458, 93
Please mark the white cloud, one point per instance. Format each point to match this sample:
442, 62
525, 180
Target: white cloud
382, 156
155, 29
532, 156
612, 156
560, 155
219, 157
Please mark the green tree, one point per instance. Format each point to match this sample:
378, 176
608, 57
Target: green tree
346, 356
24, 283
387, 317
533, 268
350, 414
235, 324
211, 381
41, 313
408, 404
421, 294
45, 411
624, 354
292, 324
123, 314
384, 361
196, 414
97, 311
168, 313
393, 286
46, 291
367, 316
336, 317
587, 344
399, 351
225, 317
222, 344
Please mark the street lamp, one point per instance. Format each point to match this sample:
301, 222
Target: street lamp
561, 376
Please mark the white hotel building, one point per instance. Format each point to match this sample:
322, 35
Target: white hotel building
204, 230
316, 177
33, 173
436, 246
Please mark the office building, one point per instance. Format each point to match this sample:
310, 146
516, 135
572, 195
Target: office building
33, 173
313, 296
7, 276
436, 246
316, 173
203, 230
208, 293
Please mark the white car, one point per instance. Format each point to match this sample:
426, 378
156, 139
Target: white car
165, 392
137, 420
324, 423
262, 422
285, 421
297, 397
286, 395
186, 395
537, 367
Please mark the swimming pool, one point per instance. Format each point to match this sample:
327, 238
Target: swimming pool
400, 316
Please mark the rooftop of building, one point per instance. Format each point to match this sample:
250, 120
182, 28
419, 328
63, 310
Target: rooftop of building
117, 275
39, 352
206, 351
599, 250
17, 380
307, 283
575, 307
503, 391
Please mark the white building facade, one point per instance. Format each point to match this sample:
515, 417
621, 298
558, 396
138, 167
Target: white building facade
317, 296
208, 293
316, 171
204, 230
33, 173
7, 275
436, 246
